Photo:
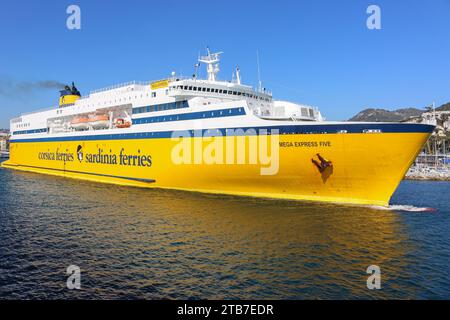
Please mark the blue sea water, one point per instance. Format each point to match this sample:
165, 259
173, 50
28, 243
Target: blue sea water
133, 243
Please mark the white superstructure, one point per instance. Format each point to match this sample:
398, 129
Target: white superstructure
176, 103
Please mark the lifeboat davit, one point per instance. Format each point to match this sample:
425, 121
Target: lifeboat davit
100, 121
122, 123
80, 123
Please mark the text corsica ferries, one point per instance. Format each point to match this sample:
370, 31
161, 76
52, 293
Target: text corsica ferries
214, 136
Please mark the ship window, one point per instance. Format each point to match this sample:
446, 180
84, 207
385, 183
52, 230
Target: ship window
304, 112
203, 89
153, 94
190, 88
208, 90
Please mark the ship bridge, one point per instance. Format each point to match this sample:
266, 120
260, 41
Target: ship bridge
217, 89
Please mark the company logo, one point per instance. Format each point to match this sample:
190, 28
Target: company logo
80, 153
100, 156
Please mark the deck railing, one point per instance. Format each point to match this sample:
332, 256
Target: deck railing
121, 85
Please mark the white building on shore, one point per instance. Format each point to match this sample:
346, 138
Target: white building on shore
4, 137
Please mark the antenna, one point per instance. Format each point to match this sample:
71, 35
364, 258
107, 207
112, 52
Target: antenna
196, 70
434, 110
238, 75
259, 73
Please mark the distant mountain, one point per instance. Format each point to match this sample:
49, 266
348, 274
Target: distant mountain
382, 115
444, 107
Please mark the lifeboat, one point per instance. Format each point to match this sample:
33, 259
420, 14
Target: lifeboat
80, 123
122, 123
100, 121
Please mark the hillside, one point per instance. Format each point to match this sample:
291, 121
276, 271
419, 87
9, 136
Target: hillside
379, 115
444, 107
376, 115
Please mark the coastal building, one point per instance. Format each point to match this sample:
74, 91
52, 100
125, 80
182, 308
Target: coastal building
4, 141
434, 160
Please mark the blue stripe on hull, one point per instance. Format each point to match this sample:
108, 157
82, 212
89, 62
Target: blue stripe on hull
293, 129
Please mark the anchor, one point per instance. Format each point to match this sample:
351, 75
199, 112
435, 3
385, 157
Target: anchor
323, 164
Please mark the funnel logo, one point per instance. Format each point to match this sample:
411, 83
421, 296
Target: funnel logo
80, 153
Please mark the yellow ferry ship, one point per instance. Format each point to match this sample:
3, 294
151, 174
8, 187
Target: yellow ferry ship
214, 136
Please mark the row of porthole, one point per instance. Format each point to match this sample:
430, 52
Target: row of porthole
29, 131
23, 125
169, 118
161, 107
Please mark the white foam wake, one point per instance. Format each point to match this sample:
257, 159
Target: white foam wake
408, 208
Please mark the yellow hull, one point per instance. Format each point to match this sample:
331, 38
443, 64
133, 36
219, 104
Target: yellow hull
366, 167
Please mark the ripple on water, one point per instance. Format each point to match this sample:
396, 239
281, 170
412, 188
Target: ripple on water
156, 244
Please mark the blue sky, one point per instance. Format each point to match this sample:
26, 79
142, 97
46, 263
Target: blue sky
314, 52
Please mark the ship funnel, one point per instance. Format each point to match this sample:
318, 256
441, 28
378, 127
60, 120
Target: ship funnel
68, 96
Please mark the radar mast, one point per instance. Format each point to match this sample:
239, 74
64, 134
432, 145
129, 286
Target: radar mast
212, 64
